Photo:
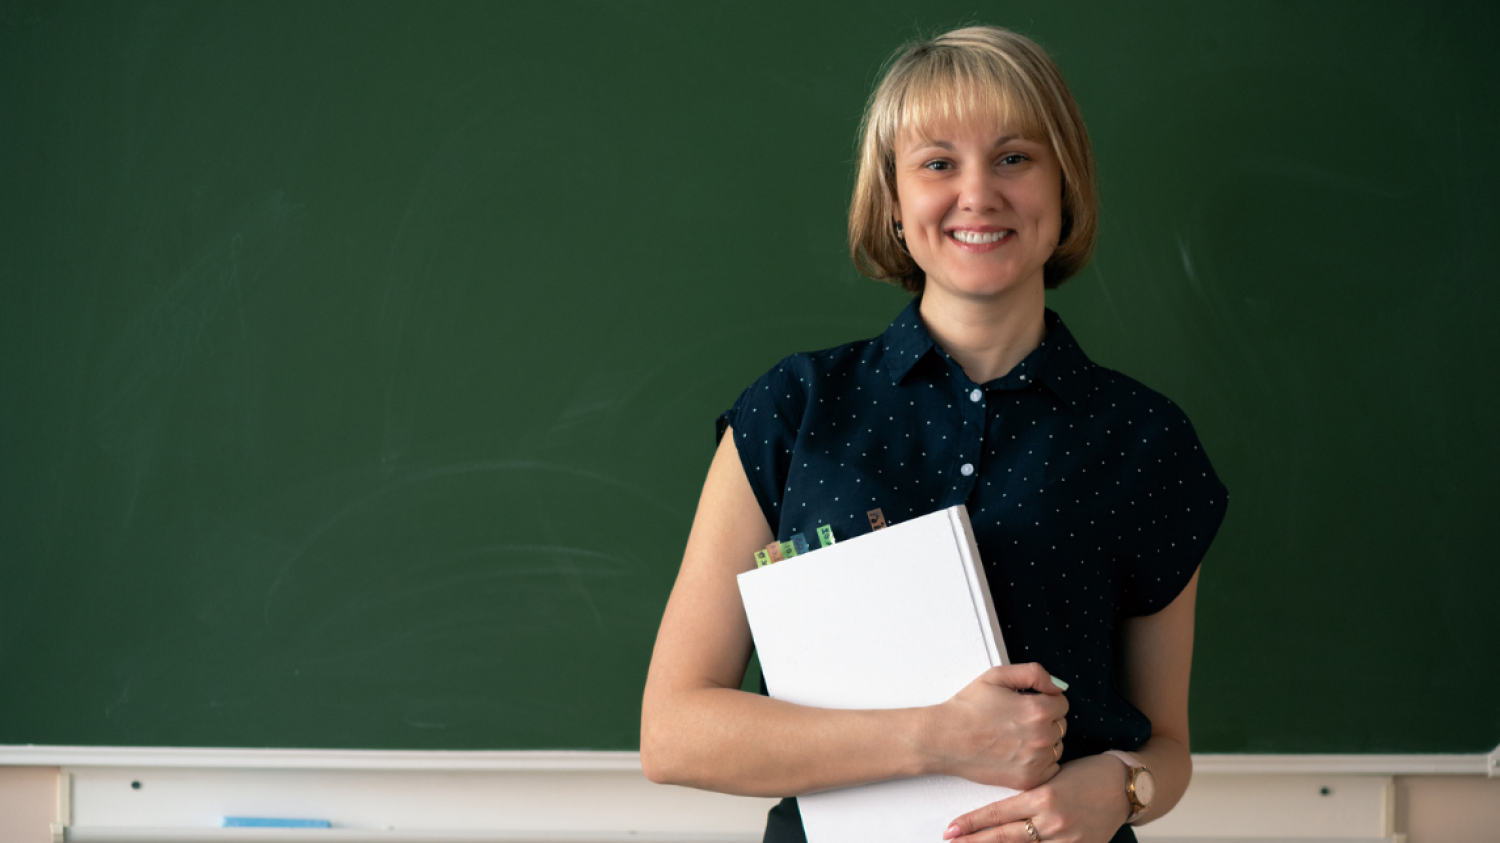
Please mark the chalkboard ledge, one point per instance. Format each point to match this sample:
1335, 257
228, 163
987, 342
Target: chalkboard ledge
568, 761
1377, 765
579, 761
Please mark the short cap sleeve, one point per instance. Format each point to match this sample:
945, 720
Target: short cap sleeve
766, 418
1177, 508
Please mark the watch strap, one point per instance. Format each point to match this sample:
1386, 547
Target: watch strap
1134, 764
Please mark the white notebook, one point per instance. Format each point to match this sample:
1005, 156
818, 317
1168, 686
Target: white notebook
895, 618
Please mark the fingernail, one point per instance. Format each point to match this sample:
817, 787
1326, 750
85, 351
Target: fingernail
1058, 682
951, 833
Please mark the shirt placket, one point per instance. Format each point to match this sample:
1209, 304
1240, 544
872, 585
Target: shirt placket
972, 403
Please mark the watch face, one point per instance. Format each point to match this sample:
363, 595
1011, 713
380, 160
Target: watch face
1145, 787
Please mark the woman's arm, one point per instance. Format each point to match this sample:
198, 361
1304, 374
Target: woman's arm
1086, 801
1158, 664
698, 728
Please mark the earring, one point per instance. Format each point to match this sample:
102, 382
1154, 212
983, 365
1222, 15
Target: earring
900, 232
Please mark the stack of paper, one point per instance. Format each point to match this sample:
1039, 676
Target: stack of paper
895, 618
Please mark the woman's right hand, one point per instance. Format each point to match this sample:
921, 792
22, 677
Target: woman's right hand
992, 734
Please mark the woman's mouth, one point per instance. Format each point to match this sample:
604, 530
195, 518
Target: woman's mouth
980, 240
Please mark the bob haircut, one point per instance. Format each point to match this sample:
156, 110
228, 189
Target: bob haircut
981, 73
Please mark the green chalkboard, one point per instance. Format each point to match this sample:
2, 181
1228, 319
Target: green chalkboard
359, 361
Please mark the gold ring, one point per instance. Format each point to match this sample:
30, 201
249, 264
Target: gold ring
1031, 830
1057, 751
1062, 729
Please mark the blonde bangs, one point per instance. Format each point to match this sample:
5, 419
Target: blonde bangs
958, 89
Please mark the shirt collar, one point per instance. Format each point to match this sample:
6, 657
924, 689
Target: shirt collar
1058, 362
906, 342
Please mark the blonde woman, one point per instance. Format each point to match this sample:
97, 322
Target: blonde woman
1091, 499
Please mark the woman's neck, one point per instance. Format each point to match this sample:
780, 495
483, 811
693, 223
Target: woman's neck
989, 336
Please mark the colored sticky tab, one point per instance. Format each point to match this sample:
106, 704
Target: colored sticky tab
825, 535
799, 543
877, 519
774, 551
273, 822
788, 550
762, 559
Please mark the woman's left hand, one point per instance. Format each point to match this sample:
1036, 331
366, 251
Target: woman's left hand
1084, 803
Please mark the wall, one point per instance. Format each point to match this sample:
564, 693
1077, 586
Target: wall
28, 804
1448, 809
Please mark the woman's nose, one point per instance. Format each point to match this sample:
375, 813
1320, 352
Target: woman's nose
979, 193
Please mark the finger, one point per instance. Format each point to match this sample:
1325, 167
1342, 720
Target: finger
1013, 809
1008, 833
1043, 711
1023, 677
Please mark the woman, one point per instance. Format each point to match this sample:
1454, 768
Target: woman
1091, 500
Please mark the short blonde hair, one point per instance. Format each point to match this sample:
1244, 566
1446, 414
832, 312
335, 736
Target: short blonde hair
981, 72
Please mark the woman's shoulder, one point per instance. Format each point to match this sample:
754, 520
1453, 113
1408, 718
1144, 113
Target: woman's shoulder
1118, 399
805, 372
1155, 440
770, 413
782, 394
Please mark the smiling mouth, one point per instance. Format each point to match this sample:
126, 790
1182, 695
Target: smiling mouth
979, 238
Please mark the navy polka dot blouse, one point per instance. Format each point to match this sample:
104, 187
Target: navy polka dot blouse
1091, 499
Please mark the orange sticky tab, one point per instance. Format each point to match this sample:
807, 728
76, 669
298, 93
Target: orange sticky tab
877, 519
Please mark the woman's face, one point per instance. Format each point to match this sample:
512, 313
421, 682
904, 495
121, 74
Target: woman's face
981, 208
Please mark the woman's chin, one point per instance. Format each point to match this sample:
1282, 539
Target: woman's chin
985, 288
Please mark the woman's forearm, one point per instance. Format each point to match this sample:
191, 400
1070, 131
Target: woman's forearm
727, 740
731, 741
1171, 766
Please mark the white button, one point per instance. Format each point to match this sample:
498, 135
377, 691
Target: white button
975, 396
966, 469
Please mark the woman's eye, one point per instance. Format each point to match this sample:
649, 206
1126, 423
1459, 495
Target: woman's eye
937, 165
1013, 159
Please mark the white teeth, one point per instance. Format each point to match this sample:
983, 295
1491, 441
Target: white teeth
978, 237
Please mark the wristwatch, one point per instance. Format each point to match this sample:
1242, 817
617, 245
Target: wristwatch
1140, 787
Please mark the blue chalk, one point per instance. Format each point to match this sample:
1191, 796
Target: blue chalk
272, 822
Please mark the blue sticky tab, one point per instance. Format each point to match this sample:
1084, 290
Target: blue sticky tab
273, 822
799, 543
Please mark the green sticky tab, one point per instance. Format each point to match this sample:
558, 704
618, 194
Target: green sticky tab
799, 543
825, 535
762, 559
788, 550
